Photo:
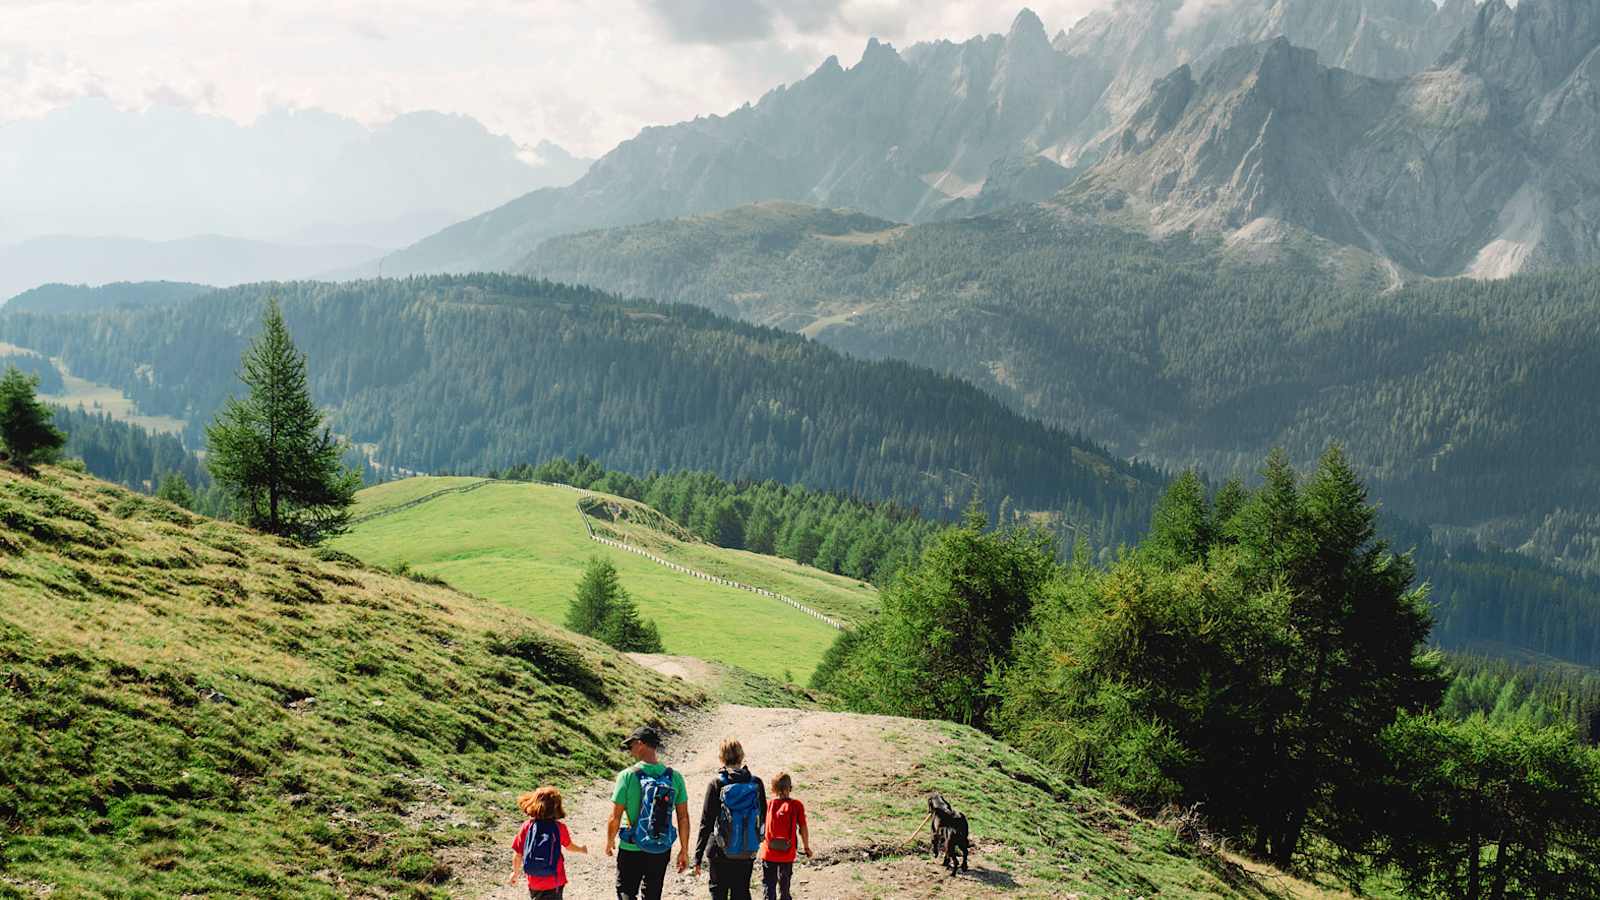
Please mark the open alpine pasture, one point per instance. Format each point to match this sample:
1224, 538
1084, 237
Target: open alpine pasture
525, 545
192, 709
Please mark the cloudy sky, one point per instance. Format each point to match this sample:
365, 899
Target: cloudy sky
582, 74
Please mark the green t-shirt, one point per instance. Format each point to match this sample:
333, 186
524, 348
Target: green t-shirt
630, 793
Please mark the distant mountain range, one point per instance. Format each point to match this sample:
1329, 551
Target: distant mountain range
297, 177
210, 260
941, 129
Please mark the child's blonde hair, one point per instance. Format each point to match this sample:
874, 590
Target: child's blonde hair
542, 805
782, 784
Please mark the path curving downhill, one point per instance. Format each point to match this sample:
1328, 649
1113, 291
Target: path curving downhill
838, 761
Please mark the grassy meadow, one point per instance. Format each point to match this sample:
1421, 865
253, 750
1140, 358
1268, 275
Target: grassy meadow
845, 599
525, 545
190, 709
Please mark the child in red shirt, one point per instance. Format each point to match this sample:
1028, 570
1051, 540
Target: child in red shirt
786, 821
543, 805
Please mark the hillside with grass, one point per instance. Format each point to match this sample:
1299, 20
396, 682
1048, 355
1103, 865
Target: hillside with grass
525, 545
188, 708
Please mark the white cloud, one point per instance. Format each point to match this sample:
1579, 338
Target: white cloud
576, 73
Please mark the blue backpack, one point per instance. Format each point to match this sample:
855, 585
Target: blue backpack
738, 829
653, 831
541, 854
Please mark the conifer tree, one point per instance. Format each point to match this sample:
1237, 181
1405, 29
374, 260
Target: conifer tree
1181, 529
174, 489
627, 631
271, 451
598, 591
27, 429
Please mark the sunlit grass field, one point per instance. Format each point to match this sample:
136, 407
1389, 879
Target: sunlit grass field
190, 709
525, 545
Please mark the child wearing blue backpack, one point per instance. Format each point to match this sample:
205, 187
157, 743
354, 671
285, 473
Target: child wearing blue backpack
732, 820
539, 844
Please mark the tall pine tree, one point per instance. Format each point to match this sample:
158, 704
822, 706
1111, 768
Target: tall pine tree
271, 451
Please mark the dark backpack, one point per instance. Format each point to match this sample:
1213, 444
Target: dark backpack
738, 828
654, 831
541, 853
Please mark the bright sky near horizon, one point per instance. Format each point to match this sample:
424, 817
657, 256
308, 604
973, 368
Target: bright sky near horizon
584, 75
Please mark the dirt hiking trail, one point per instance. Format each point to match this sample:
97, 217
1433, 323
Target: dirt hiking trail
864, 781
843, 766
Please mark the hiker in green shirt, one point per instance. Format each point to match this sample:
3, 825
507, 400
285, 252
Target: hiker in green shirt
651, 795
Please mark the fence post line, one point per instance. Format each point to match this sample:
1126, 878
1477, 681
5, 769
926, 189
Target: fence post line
726, 582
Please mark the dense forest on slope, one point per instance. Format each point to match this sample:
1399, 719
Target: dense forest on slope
50, 381
1530, 692
81, 298
1261, 660
1468, 405
481, 372
486, 373
127, 454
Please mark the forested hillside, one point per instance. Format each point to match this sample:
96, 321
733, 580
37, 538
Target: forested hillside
489, 372
81, 298
127, 454
1469, 405
830, 531
1261, 659
474, 373
34, 365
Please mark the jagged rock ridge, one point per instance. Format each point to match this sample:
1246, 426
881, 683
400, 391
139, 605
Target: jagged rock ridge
915, 135
1481, 165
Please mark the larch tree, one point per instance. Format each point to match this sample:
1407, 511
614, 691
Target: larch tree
271, 451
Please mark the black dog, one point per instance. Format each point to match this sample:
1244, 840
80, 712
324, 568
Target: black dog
949, 833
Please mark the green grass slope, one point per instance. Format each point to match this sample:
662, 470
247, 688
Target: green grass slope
525, 545
387, 496
842, 598
188, 709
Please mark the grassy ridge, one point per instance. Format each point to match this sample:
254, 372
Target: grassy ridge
398, 493
190, 709
525, 545
843, 598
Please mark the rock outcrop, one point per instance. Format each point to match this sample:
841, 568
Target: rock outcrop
1483, 164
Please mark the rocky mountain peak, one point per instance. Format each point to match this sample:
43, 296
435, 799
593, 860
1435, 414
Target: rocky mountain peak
915, 134
879, 54
1027, 27
1530, 48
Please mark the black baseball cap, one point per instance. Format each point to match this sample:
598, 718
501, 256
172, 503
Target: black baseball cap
645, 735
